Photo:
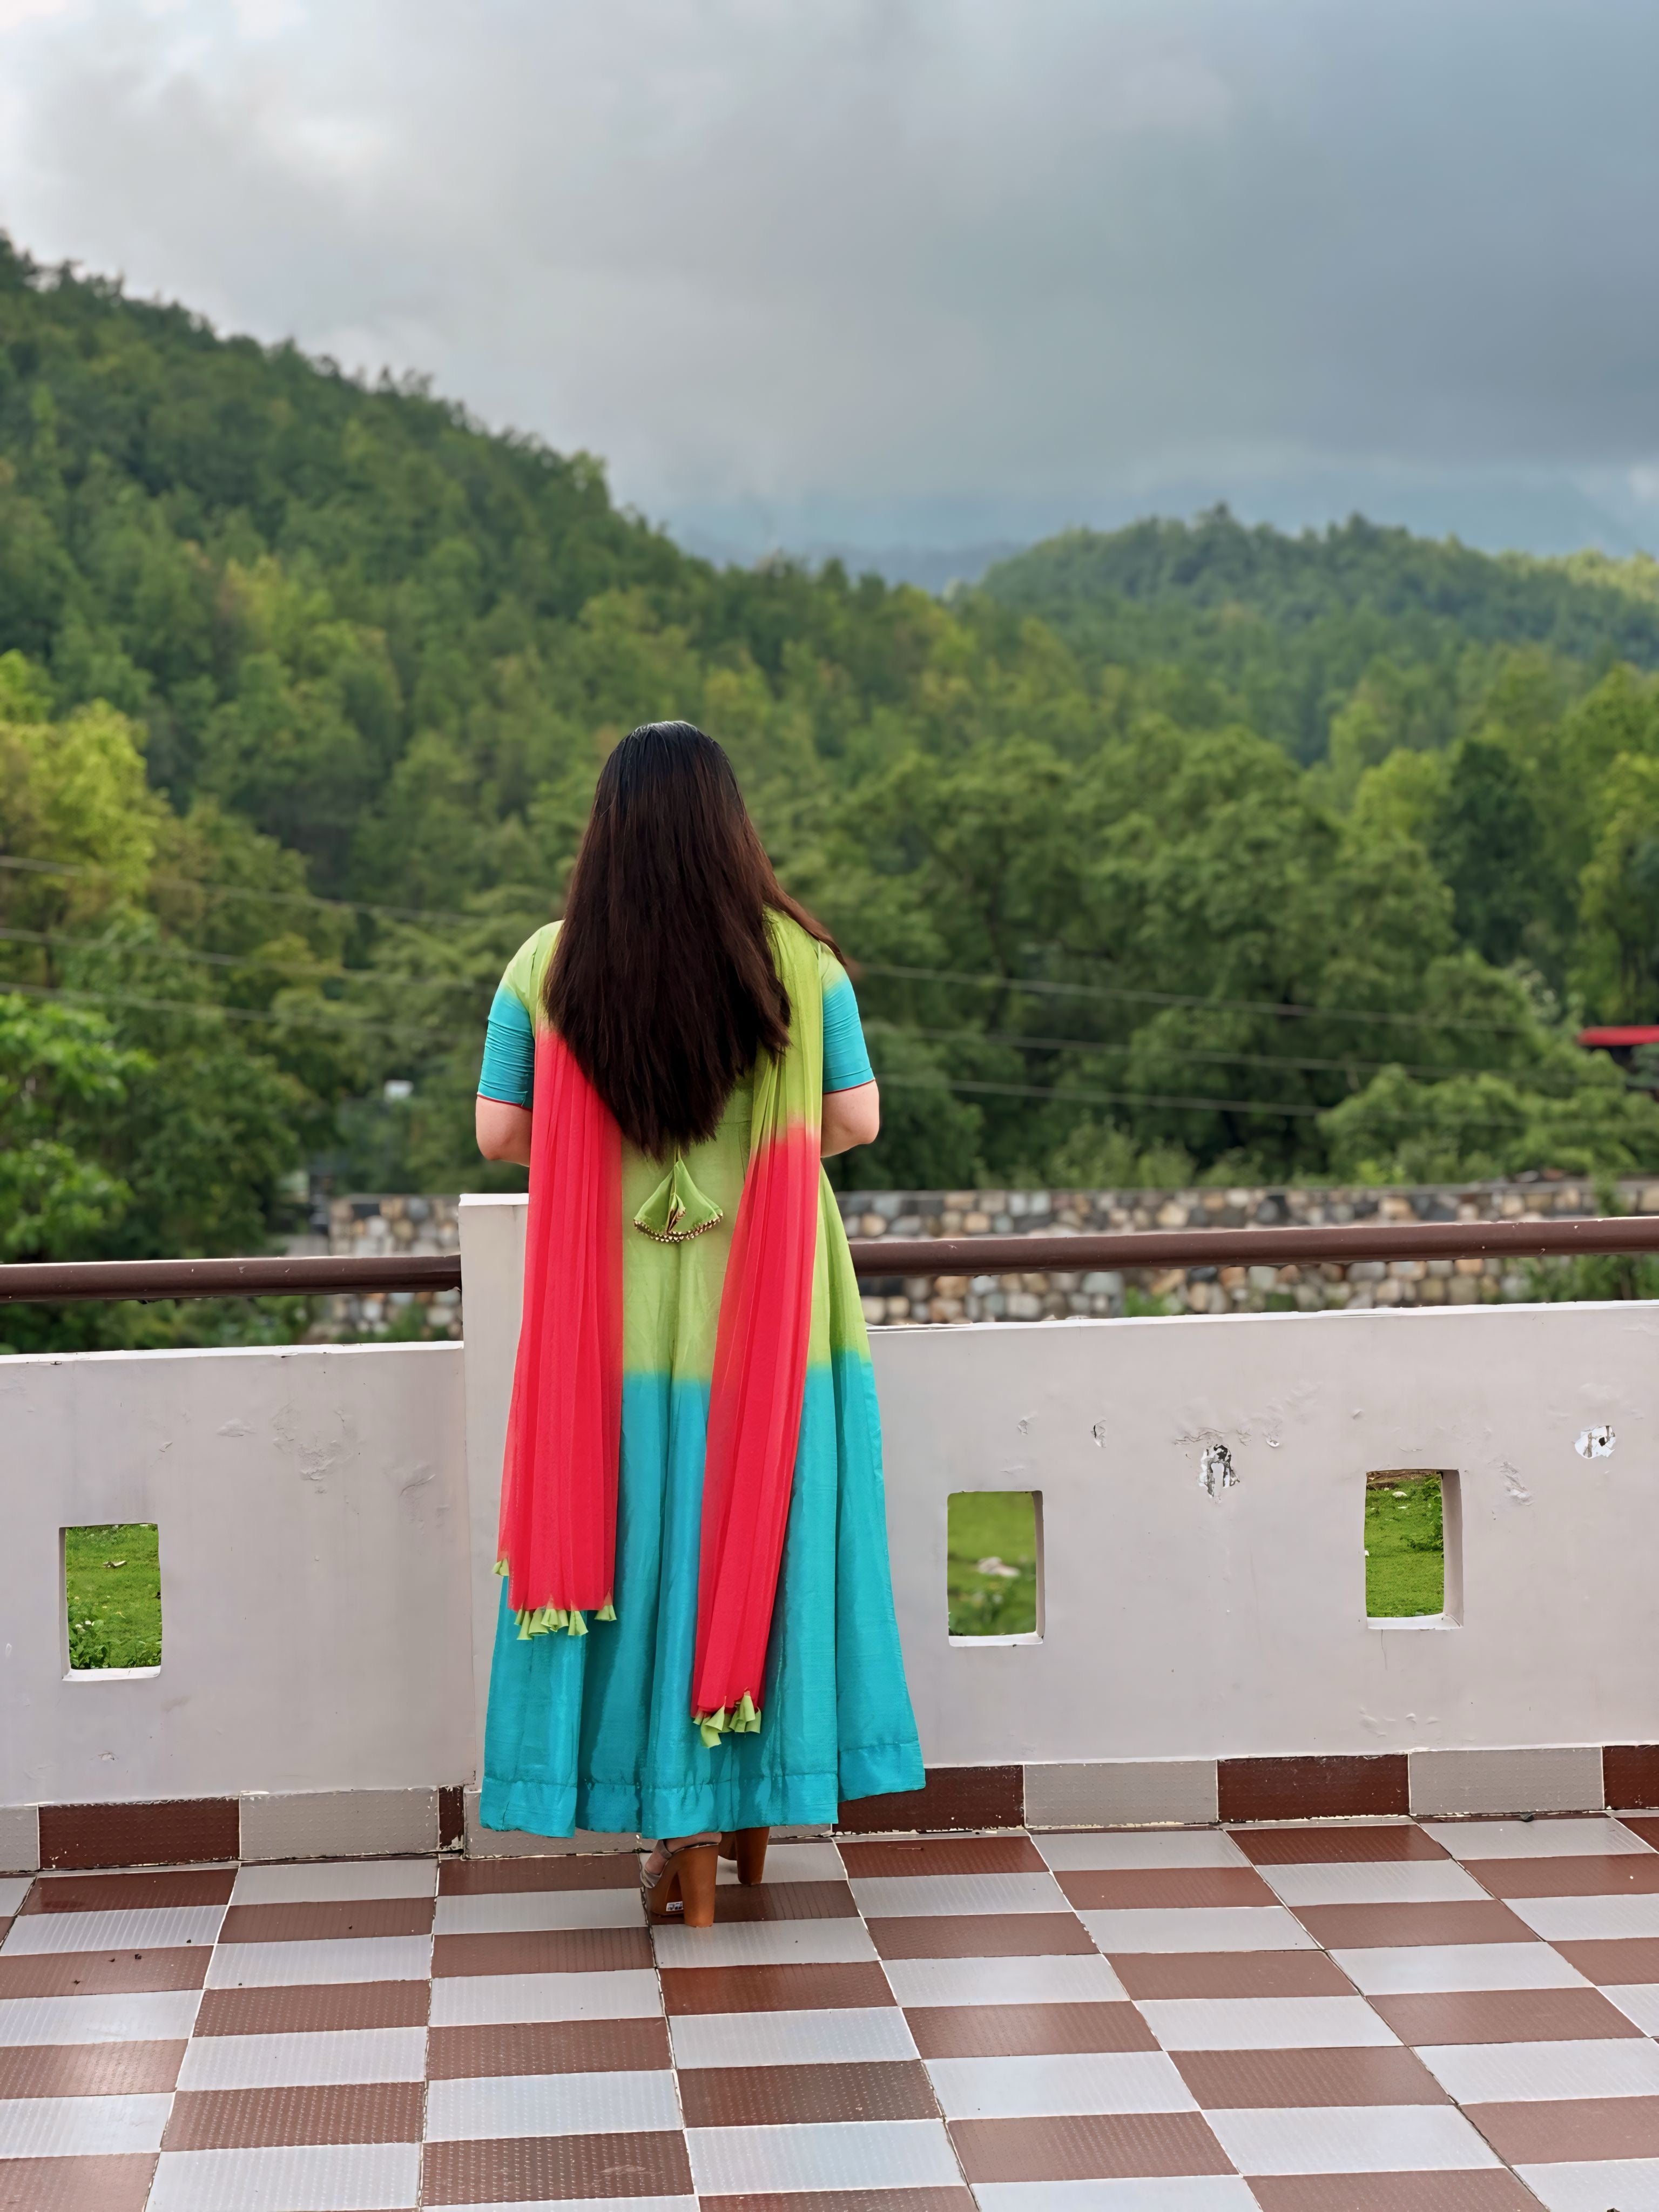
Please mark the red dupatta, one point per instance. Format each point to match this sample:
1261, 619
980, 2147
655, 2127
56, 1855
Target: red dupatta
558, 1520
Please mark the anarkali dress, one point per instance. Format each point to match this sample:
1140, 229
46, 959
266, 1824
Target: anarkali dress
696, 1625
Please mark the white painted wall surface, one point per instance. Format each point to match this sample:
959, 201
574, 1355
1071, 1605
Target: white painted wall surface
311, 1508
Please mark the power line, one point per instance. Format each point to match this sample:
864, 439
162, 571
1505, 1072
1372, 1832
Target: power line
311, 899
208, 1007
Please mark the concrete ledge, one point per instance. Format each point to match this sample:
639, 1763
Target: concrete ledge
20, 1839
338, 1824
1122, 1793
1559, 1778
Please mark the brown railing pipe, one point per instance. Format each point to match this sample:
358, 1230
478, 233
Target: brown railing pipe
49, 1282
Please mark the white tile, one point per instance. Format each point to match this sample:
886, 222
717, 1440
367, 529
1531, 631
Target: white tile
297, 2177
1060, 1980
1198, 1928
322, 1883
137, 2016
1265, 2023
1579, 2185
874, 2154
764, 1943
14, 1889
1111, 1851
1064, 2083
550, 2105
885, 1897
832, 2037
492, 2000
1400, 1969
1637, 2001
807, 1862
166, 1927
1587, 1919
1531, 1839
1349, 2139
280, 2062
1197, 2192
1522, 2073
343, 1958
517, 1911
1392, 1881
80, 2127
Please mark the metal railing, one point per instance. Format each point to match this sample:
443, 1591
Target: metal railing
312, 1274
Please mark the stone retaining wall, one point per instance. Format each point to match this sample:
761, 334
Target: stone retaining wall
367, 1225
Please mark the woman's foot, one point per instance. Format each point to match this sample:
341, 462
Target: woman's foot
748, 1847
677, 1879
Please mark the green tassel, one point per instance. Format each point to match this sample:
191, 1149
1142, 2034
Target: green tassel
606, 1611
676, 1210
747, 1721
578, 1625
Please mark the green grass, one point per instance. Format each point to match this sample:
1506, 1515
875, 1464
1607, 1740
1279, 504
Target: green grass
991, 1524
113, 1585
1405, 1548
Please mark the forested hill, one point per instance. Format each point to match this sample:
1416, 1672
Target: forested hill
1189, 851
1294, 622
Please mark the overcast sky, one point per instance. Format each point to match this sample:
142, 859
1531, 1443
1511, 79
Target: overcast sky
923, 272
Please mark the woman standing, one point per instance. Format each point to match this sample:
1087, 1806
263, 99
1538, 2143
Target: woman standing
696, 1637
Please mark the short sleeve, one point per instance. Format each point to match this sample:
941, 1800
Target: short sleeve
846, 1057
508, 1073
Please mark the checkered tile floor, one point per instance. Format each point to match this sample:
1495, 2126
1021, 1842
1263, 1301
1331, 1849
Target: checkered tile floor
1454, 2017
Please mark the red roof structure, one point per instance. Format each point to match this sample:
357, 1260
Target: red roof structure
1621, 1033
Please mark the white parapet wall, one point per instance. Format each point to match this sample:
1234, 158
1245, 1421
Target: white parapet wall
327, 1521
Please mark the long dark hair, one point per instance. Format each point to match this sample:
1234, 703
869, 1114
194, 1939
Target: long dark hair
662, 982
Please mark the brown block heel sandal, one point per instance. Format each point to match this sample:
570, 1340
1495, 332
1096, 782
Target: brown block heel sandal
748, 1847
682, 1893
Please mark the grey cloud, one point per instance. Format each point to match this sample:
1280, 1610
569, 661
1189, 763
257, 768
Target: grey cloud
864, 267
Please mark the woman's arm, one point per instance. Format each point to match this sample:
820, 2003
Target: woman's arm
503, 1131
850, 1117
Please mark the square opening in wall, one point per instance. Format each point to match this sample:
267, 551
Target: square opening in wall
994, 1565
1414, 1551
112, 1598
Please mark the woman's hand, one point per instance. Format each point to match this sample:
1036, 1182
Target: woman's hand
850, 1117
503, 1131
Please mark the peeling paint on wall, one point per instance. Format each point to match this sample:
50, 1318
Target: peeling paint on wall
1216, 1471
1594, 1444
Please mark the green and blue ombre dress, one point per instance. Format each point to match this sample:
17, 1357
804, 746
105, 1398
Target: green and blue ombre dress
591, 1732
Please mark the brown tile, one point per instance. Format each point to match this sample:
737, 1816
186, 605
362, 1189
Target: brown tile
1110, 2146
503, 1877
1630, 1774
1311, 1789
1607, 1963
847, 2200
325, 2007
1353, 1843
1562, 2128
774, 1989
542, 1951
980, 1935
451, 1818
1166, 1886
552, 2046
791, 1900
131, 1893
1230, 1974
1612, 1873
104, 1973
1365, 1927
796, 2096
327, 1920
318, 2112
169, 1834
953, 1798
1028, 2031
1648, 1831
1483, 2189
944, 1855
524, 2169
89, 2070
1372, 2076
1503, 2017
75, 2185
